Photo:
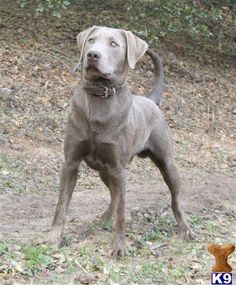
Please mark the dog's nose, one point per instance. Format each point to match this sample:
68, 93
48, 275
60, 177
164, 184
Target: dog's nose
93, 55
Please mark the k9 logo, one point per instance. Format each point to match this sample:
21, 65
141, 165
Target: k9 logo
221, 278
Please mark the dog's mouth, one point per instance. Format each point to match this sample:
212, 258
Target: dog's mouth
93, 70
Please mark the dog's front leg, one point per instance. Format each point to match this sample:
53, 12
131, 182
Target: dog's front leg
74, 150
67, 185
118, 229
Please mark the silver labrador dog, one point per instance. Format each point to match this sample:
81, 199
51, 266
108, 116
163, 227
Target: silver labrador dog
107, 126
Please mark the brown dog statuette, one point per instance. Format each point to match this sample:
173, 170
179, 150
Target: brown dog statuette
221, 253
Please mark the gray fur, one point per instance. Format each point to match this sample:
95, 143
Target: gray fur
107, 133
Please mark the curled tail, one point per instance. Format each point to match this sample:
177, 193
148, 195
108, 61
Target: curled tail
157, 90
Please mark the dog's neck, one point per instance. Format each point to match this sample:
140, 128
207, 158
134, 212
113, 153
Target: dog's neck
99, 112
102, 88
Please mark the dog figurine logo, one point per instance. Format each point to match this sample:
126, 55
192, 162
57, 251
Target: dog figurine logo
221, 253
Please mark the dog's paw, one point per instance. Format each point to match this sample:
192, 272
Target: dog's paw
118, 252
118, 247
54, 237
186, 232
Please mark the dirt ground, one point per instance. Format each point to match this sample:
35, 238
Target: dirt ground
28, 214
35, 87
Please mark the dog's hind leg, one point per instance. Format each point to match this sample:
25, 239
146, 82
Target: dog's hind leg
160, 152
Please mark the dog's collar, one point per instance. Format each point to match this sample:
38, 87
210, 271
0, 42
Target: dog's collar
103, 91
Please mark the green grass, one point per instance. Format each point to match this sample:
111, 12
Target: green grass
36, 257
153, 257
4, 248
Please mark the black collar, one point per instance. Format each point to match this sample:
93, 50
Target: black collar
103, 91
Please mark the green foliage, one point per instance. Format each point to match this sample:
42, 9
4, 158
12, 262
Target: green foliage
53, 6
36, 257
4, 248
175, 16
169, 17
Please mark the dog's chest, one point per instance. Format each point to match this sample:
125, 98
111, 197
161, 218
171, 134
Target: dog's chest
101, 156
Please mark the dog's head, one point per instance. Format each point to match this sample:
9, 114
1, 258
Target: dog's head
108, 53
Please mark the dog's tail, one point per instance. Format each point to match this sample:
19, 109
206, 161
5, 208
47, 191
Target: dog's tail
157, 90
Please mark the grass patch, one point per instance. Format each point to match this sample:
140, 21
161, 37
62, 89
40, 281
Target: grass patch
154, 255
36, 258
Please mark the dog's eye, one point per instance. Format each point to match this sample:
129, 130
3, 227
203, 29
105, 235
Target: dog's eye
91, 41
114, 44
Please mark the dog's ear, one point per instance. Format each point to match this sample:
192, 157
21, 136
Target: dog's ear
136, 48
81, 39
